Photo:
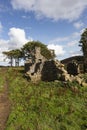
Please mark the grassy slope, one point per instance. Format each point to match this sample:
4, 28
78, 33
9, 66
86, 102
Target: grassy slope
45, 106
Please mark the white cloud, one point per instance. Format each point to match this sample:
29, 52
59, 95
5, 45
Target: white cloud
72, 38
58, 9
16, 38
3, 47
59, 51
25, 17
75, 53
76, 35
72, 43
78, 25
59, 40
69, 45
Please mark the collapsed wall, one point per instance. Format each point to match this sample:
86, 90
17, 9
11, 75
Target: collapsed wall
46, 70
54, 70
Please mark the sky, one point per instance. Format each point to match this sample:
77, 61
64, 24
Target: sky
58, 24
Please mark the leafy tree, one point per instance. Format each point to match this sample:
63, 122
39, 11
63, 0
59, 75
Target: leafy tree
14, 54
29, 50
83, 44
17, 55
9, 55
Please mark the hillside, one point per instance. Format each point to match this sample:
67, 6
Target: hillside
44, 105
77, 58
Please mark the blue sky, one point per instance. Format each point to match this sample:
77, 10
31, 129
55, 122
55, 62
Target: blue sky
58, 24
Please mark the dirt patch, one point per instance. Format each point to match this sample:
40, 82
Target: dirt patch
4, 106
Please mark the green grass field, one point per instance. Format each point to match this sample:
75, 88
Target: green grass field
45, 105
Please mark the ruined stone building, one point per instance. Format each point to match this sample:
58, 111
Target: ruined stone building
39, 68
42, 69
75, 64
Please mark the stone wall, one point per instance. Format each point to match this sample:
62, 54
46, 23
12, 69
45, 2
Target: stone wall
49, 71
79, 61
46, 70
73, 68
52, 70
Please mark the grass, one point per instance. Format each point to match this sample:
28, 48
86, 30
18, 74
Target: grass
2, 80
1, 84
45, 105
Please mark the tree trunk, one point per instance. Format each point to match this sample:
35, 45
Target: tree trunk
17, 62
11, 62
